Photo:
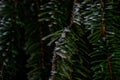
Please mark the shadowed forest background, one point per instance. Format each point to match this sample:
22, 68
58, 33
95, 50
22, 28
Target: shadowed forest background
60, 40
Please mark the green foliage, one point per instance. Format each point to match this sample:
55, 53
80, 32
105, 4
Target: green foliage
60, 39
10, 42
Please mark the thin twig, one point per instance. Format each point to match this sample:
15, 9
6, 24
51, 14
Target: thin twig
110, 67
103, 33
103, 27
72, 14
41, 36
1, 72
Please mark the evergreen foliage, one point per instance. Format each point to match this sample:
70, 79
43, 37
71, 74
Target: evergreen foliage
59, 40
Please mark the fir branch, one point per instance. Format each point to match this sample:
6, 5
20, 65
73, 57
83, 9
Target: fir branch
72, 15
70, 26
57, 52
1, 71
103, 33
110, 66
103, 27
41, 36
